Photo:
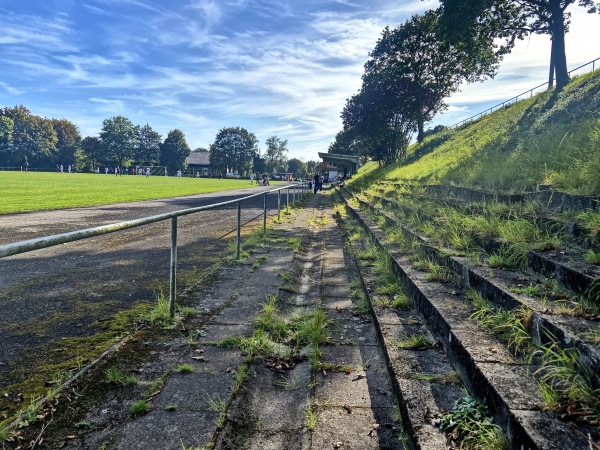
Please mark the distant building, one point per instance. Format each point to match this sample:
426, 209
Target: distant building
335, 165
199, 162
284, 176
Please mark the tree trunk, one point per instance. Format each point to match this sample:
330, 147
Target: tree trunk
551, 72
559, 56
421, 127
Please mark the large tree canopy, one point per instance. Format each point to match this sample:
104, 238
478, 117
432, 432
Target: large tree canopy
425, 67
174, 151
515, 19
119, 138
233, 149
33, 138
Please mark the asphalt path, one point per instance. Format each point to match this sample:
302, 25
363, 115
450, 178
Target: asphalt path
65, 291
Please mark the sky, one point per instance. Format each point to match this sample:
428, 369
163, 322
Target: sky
277, 68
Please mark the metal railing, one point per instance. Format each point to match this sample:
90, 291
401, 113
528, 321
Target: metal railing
298, 190
516, 97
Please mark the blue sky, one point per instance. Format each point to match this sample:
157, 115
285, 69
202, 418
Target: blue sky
280, 68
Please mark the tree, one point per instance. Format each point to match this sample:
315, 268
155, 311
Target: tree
233, 149
312, 167
347, 143
516, 19
174, 151
93, 150
147, 149
276, 155
6, 131
258, 163
297, 167
421, 67
119, 138
377, 117
33, 138
69, 140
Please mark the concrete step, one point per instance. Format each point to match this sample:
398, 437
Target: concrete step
485, 366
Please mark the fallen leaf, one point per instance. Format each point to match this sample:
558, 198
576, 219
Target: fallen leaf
199, 358
348, 408
71, 436
199, 350
359, 377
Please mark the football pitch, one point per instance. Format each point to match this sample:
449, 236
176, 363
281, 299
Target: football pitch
36, 191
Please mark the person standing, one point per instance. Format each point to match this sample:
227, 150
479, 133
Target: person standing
147, 172
251, 178
321, 181
316, 182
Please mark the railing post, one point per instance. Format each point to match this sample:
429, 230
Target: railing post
279, 205
294, 195
173, 277
239, 230
264, 214
287, 202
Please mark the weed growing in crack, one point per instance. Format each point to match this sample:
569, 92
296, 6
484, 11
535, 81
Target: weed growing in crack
567, 382
444, 378
436, 272
531, 290
593, 335
185, 368
513, 326
240, 377
311, 418
294, 244
592, 257
219, 406
402, 301
115, 375
139, 408
418, 342
155, 387
362, 306
160, 315
470, 425
506, 257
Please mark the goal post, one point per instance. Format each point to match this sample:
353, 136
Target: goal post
154, 170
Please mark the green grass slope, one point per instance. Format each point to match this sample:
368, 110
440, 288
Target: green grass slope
552, 138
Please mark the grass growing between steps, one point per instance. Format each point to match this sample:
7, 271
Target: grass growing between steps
566, 383
470, 426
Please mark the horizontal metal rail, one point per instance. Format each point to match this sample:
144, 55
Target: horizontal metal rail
63, 238
516, 97
17, 248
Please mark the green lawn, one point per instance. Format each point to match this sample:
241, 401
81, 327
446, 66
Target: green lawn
34, 191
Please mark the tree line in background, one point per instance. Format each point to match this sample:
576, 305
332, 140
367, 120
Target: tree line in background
416, 66
27, 139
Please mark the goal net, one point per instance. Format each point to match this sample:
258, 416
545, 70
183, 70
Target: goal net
154, 170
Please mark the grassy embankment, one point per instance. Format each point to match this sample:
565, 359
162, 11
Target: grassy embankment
552, 138
34, 191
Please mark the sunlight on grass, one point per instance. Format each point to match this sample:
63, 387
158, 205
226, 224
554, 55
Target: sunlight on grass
34, 191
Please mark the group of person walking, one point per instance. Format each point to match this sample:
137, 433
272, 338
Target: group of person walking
318, 180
